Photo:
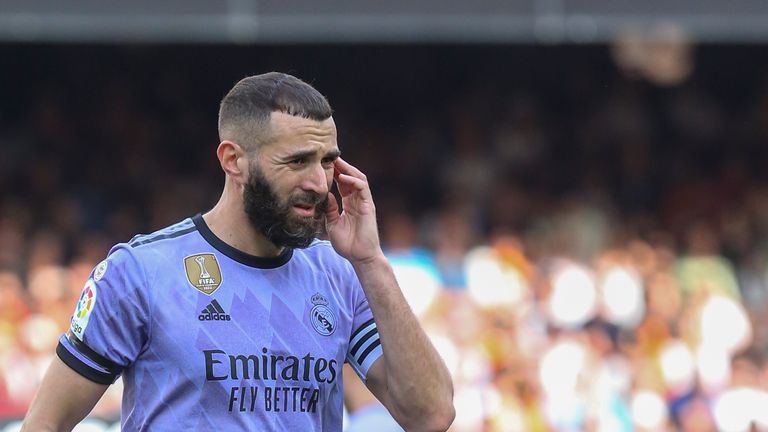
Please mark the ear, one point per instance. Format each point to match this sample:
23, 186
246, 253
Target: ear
233, 160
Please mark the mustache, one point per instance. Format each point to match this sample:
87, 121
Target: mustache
308, 199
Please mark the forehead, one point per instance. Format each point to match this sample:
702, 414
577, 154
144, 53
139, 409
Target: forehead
292, 131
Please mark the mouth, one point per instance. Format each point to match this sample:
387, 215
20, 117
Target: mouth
304, 210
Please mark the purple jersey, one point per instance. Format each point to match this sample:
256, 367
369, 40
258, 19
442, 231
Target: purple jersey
207, 337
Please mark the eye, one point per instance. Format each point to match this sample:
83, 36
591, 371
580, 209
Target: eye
328, 162
301, 161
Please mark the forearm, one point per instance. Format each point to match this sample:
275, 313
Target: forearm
34, 425
418, 383
63, 400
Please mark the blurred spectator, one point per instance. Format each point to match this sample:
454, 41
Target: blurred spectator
702, 268
365, 412
587, 254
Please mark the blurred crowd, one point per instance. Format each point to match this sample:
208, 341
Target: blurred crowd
588, 250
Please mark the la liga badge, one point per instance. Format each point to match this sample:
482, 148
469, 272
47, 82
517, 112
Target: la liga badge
85, 306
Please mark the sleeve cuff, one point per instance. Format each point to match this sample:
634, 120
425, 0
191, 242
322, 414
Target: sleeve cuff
365, 348
80, 358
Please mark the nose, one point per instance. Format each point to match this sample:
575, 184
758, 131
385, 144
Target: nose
317, 180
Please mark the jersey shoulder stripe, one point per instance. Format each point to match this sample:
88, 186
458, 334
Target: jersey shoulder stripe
365, 347
359, 341
177, 230
364, 355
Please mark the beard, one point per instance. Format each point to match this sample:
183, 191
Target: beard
276, 220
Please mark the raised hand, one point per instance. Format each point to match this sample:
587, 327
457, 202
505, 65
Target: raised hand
353, 232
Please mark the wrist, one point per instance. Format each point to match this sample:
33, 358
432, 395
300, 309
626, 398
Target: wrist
376, 260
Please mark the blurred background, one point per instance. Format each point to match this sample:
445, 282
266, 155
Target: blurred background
573, 193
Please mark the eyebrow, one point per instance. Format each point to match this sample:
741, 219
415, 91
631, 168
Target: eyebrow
333, 154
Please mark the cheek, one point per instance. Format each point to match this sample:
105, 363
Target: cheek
284, 184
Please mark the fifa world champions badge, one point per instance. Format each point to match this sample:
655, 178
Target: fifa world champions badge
321, 316
85, 306
203, 272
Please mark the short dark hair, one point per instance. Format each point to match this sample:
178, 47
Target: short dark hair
245, 111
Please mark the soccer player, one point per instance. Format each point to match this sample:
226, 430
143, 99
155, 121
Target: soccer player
239, 318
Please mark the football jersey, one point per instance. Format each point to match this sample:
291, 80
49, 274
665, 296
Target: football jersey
207, 337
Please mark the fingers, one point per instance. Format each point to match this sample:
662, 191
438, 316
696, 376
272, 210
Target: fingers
342, 167
332, 210
351, 181
354, 182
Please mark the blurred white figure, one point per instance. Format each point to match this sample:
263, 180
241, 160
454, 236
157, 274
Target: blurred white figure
490, 283
622, 297
724, 324
649, 410
560, 370
573, 300
90, 425
737, 409
366, 413
471, 408
12, 427
560, 367
714, 367
677, 366
448, 352
608, 381
761, 419
419, 284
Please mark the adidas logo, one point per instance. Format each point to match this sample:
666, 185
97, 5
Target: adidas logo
214, 312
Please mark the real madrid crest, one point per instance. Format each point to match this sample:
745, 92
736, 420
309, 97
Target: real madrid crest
203, 272
321, 316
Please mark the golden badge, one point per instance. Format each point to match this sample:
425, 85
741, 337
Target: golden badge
203, 272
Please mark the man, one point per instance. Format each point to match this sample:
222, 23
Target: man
240, 319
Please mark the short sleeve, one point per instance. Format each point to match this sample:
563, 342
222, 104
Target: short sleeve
364, 344
109, 327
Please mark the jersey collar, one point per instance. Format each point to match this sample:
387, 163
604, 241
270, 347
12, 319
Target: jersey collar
236, 254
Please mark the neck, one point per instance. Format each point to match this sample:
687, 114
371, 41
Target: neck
228, 221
